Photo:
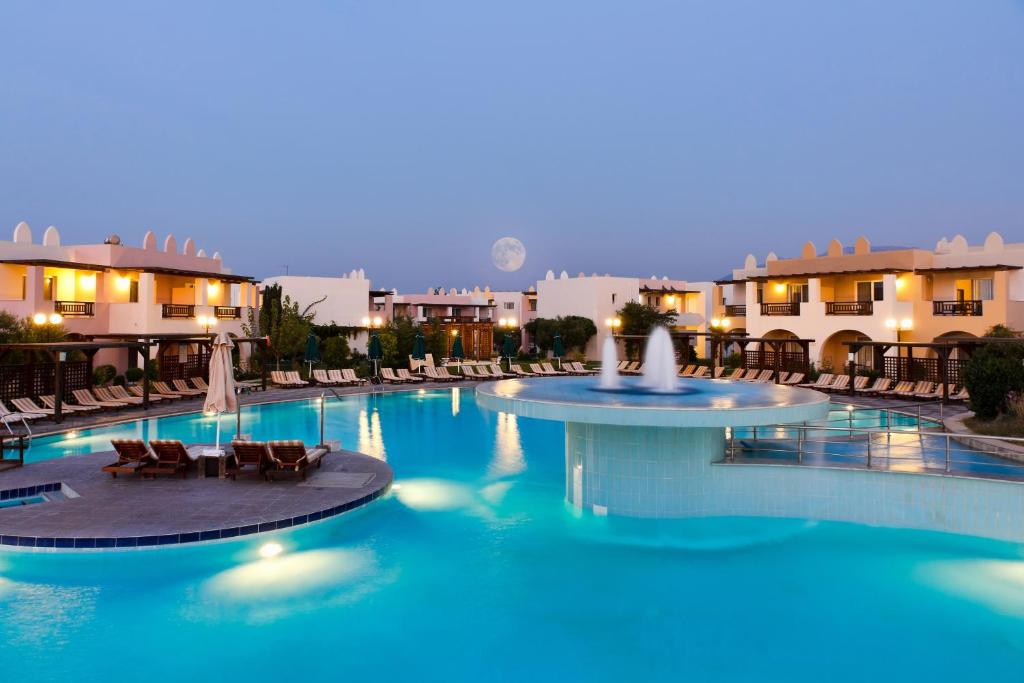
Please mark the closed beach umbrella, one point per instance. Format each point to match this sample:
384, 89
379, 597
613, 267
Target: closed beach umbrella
220, 397
419, 347
458, 353
508, 350
312, 348
558, 349
374, 351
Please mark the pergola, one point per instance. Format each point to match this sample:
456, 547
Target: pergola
904, 365
771, 352
58, 353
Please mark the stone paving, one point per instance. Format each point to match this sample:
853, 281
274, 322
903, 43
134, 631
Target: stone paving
129, 511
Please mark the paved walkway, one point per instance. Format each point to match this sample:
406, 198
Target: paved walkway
91, 509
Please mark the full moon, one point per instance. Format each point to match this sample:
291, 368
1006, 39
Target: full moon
508, 254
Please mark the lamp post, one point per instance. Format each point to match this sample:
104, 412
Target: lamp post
899, 326
372, 325
206, 321
719, 327
40, 319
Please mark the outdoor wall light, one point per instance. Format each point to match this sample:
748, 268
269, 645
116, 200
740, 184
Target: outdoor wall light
613, 323
377, 321
39, 319
455, 333
123, 283
366, 322
56, 318
780, 288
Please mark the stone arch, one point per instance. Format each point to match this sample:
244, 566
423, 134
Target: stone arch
835, 248
170, 245
22, 233
809, 250
51, 238
956, 354
833, 353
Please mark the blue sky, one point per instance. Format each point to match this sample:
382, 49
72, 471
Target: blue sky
405, 137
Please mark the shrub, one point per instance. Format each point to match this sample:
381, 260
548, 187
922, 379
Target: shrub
118, 381
133, 375
992, 372
152, 370
733, 361
336, 352
103, 374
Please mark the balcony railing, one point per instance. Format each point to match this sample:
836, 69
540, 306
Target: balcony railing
787, 308
966, 307
735, 310
227, 312
75, 309
179, 310
849, 307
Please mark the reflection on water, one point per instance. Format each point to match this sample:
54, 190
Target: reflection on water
456, 401
371, 437
508, 448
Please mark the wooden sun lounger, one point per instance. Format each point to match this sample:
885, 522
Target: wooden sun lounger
737, 374
171, 457
350, 375
824, 379
550, 369
200, 383
182, 387
323, 378
688, 371
253, 454
153, 395
408, 376
880, 384
388, 375
121, 394
292, 457
794, 378
132, 457
764, 377
105, 394
519, 371
900, 388
498, 372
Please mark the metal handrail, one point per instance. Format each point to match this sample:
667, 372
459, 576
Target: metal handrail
803, 430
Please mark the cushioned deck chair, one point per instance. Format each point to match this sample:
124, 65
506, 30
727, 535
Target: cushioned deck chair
496, 371
200, 383
171, 457
49, 402
408, 376
350, 375
104, 394
824, 379
688, 371
292, 457
961, 395
182, 387
29, 407
137, 391
518, 370
388, 375
249, 454
793, 378
85, 397
900, 388
323, 378
881, 384
738, 373
165, 390
550, 369
132, 456
840, 383
121, 394
293, 377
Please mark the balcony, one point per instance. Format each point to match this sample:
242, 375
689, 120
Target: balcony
227, 312
958, 307
735, 310
849, 307
178, 311
786, 308
75, 309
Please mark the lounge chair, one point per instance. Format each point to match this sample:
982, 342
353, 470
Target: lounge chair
824, 379
388, 375
337, 378
200, 383
717, 374
164, 389
85, 397
182, 387
438, 374
292, 457
121, 394
550, 369
583, 370
153, 394
764, 377
792, 379
623, 365
840, 383
496, 371
132, 457
518, 370
738, 373
104, 394
919, 388
294, 378
49, 402
900, 388
253, 454
350, 375
7, 415
935, 393
701, 371
961, 395
881, 384
408, 376
27, 406
171, 457
323, 378
688, 371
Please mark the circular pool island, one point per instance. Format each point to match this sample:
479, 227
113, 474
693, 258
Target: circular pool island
636, 452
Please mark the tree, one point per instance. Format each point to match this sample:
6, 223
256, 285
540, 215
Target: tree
435, 341
991, 373
282, 322
1001, 331
575, 330
638, 320
336, 352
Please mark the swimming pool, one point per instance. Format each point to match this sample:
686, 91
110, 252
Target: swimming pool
475, 568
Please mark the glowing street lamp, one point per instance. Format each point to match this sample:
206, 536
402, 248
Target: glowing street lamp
206, 321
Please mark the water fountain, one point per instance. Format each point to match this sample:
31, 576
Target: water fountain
648, 446
609, 365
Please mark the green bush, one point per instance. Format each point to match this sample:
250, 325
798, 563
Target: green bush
336, 352
992, 372
152, 370
103, 374
118, 381
133, 375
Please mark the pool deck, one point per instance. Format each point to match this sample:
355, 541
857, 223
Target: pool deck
132, 512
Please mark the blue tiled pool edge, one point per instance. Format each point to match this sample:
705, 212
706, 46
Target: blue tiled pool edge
38, 543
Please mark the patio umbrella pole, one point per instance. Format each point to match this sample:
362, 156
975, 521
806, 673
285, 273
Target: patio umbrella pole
323, 400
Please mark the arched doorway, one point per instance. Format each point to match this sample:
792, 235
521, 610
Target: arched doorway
834, 354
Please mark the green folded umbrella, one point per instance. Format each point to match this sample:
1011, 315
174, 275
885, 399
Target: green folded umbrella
558, 350
457, 351
374, 351
419, 347
312, 348
508, 350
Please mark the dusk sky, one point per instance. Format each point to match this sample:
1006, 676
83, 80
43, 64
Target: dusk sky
635, 138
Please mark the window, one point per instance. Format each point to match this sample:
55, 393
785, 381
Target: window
760, 293
510, 305
533, 304
798, 292
49, 287
613, 298
981, 289
657, 301
133, 295
870, 291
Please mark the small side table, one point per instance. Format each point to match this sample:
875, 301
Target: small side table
205, 462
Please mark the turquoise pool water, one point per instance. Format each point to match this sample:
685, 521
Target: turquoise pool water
474, 568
